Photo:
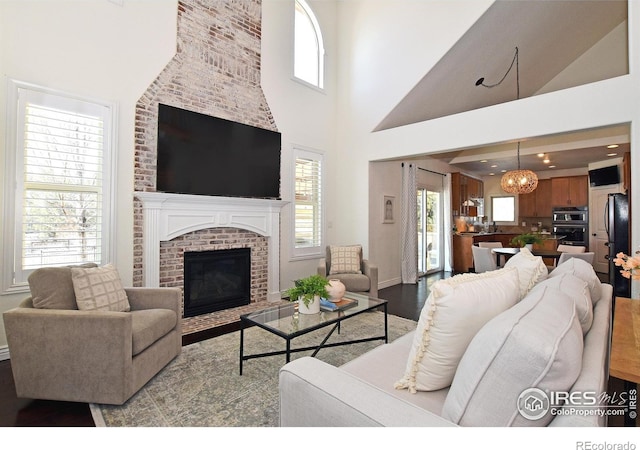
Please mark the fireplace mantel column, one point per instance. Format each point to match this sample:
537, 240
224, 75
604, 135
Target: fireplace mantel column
167, 216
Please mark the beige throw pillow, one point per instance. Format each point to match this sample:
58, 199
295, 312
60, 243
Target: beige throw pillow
454, 312
345, 259
99, 289
52, 287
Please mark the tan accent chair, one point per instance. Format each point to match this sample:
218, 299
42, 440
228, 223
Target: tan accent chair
367, 281
93, 356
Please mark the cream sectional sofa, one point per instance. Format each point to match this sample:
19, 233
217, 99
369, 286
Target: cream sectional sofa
553, 338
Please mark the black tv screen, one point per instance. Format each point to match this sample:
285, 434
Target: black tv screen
604, 176
206, 155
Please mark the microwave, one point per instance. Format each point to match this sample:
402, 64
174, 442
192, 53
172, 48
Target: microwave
570, 215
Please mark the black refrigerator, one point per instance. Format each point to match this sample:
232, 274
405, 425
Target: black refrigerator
617, 223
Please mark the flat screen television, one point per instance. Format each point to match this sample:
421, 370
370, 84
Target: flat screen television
205, 155
604, 176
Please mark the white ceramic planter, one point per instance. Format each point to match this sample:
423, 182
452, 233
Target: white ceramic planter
313, 308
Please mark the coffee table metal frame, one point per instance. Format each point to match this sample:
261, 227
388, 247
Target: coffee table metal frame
279, 318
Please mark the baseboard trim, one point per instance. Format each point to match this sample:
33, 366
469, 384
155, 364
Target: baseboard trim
4, 353
389, 283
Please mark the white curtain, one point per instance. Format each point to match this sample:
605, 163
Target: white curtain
448, 226
409, 225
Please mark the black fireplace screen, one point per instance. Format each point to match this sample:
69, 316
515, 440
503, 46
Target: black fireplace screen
216, 280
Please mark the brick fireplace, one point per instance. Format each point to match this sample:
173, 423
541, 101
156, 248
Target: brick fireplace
215, 71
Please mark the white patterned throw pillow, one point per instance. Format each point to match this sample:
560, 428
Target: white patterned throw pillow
99, 289
345, 259
457, 308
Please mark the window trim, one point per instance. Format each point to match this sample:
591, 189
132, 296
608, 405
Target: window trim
308, 252
320, 87
9, 233
515, 210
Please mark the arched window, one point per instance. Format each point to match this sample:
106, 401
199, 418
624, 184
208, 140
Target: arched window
308, 47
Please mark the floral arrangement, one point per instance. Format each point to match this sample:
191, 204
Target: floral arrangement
630, 265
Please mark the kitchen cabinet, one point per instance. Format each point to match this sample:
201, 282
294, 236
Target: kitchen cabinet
538, 202
464, 188
570, 191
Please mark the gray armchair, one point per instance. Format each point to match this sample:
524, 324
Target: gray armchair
366, 281
93, 356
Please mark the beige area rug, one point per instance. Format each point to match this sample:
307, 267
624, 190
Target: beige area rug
202, 386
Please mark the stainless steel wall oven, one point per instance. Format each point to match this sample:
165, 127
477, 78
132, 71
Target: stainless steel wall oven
573, 223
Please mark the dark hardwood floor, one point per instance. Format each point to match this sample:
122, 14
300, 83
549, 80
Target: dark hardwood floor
405, 300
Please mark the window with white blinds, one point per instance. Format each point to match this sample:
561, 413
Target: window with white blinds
308, 204
60, 177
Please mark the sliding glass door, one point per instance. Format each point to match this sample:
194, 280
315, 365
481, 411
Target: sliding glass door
430, 231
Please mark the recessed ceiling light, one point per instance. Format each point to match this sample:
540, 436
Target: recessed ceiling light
612, 146
483, 161
546, 160
552, 167
503, 171
492, 174
540, 155
612, 154
494, 165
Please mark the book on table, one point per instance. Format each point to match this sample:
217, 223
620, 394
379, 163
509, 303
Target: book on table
344, 303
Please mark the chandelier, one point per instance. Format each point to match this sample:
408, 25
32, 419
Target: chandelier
519, 181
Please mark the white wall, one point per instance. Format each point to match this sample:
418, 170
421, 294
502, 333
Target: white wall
96, 49
306, 117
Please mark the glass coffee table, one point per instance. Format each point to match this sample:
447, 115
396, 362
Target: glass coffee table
286, 322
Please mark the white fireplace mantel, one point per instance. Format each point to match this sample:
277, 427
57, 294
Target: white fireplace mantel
167, 216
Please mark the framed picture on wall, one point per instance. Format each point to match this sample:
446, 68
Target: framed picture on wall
388, 211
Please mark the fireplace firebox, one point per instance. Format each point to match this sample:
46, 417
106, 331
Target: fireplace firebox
216, 280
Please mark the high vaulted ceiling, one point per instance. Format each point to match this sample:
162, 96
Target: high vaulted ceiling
551, 35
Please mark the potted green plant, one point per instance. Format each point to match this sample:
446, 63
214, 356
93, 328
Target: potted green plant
526, 240
307, 291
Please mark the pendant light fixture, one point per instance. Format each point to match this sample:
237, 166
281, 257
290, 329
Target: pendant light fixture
520, 181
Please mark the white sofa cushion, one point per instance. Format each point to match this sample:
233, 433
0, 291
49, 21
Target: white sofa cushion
536, 344
531, 269
578, 290
583, 270
453, 313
